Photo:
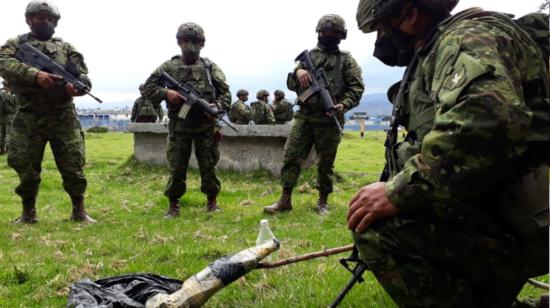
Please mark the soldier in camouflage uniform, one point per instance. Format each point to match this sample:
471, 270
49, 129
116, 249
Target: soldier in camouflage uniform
282, 109
46, 113
312, 126
7, 112
240, 112
260, 111
145, 110
462, 218
197, 128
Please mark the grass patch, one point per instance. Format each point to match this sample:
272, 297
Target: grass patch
39, 262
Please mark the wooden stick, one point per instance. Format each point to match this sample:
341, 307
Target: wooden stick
308, 256
539, 284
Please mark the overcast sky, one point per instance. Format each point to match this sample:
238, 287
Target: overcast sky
253, 41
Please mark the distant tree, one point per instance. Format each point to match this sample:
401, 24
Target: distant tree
545, 5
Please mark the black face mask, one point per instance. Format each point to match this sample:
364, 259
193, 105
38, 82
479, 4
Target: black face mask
328, 42
43, 30
394, 47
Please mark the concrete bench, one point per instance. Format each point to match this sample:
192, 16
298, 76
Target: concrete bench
253, 147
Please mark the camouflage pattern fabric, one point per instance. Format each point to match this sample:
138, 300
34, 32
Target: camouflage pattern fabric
239, 113
312, 127
7, 112
477, 122
196, 129
345, 84
44, 116
145, 111
261, 113
304, 136
207, 154
282, 110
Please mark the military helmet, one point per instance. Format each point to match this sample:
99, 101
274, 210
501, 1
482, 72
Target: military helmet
332, 22
261, 94
279, 93
190, 29
242, 92
42, 6
371, 12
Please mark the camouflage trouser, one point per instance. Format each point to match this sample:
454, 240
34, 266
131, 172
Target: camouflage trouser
3, 133
178, 154
28, 138
445, 263
302, 138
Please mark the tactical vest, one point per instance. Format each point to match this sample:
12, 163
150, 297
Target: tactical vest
259, 112
34, 96
333, 64
521, 203
200, 76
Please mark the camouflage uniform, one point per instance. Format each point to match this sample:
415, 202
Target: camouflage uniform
282, 110
312, 127
44, 116
261, 113
196, 128
7, 112
472, 173
152, 113
240, 113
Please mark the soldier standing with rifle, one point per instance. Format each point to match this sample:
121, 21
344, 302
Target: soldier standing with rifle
460, 218
196, 126
314, 124
46, 112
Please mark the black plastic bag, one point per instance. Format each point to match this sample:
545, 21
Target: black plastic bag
128, 291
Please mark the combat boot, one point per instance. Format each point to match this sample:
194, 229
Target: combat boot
212, 205
173, 209
28, 216
284, 203
79, 213
322, 205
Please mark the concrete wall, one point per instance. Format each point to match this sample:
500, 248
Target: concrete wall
253, 147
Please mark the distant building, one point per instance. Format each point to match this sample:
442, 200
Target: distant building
115, 120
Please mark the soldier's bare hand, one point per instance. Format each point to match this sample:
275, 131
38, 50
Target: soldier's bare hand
303, 77
46, 80
173, 97
71, 90
368, 205
339, 108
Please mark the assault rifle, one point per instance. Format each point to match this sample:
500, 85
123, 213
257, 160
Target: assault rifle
193, 98
319, 84
28, 54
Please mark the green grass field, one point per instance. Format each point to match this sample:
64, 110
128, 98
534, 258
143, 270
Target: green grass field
39, 262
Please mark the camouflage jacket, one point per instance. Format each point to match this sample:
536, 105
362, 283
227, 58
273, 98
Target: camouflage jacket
205, 76
146, 108
477, 114
282, 111
21, 76
345, 84
239, 113
261, 113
